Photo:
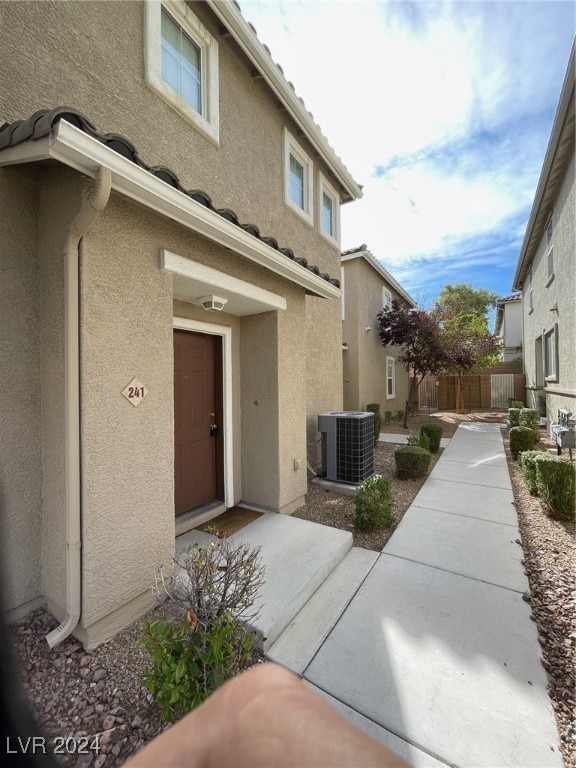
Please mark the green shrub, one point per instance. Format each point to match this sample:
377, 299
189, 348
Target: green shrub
513, 417
555, 481
527, 463
411, 461
400, 415
202, 641
434, 434
413, 408
421, 440
187, 666
373, 503
375, 409
387, 417
521, 439
513, 403
529, 418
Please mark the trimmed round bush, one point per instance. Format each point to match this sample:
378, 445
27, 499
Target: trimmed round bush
527, 463
373, 502
521, 439
411, 461
512, 403
529, 418
375, 409
513, 417
434, 434
556, 482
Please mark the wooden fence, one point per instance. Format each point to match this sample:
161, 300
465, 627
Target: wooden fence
476, 391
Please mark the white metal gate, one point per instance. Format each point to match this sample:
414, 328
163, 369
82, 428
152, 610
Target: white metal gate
501, 388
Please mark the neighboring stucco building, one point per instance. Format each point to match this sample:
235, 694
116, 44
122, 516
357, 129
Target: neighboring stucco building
546, 269
184, 174
372, 373
509, 326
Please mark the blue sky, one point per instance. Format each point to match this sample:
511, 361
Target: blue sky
441, 110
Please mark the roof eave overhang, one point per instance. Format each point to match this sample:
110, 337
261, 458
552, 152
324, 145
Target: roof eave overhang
553, 165
233, 20
74, 148
377, 267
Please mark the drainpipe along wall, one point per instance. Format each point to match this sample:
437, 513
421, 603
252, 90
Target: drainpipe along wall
72, 254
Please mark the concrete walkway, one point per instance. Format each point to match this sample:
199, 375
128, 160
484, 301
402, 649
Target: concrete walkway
435, 653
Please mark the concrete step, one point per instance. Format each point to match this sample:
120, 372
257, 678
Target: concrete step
298, 556
297, 645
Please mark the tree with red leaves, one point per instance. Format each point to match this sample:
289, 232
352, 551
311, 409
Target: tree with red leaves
419, 336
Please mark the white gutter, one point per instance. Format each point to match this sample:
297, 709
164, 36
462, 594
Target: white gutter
237, 25
74, 148
72, 250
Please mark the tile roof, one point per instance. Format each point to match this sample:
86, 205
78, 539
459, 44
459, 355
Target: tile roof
40, 124
513, 297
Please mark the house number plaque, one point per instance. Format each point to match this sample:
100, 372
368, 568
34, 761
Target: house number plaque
135, 392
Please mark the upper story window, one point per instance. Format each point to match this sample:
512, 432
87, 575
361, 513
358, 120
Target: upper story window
530, 294
386, 297
550, 250
181, 63
297, 178
329, 207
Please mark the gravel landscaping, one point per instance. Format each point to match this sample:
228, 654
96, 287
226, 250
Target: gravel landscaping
98, 693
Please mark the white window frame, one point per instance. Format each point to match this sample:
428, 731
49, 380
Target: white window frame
551, 366
342, 295
530, 293
386, 297
325, 188
208, 122
291, 147
549, 234
390, 360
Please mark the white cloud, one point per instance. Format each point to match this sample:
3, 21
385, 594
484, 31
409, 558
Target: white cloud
441, 110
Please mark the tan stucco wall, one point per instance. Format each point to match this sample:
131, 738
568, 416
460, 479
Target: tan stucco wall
90, 56
20, 444
365, 359
560, 292
127, 317
323, 341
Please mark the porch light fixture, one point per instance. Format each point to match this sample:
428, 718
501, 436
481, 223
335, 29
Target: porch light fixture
213, 303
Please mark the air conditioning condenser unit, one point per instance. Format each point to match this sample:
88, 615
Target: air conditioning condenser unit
347, 445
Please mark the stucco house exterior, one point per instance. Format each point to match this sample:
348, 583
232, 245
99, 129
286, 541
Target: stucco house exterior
169, 293
371, 372
508, 327
545, 272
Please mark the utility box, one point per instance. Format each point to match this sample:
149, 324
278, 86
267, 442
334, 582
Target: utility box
347, 445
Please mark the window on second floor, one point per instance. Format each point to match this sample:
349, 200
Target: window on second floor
181, 63
297, 178
329, 208
386, 297
530, 294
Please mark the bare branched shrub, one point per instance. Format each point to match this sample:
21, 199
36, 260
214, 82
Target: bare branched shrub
221, 578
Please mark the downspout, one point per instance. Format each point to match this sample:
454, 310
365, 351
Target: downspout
72, 251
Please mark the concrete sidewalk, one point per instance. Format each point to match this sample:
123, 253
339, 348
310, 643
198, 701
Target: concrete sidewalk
435, 654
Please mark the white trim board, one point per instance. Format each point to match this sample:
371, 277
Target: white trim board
74, 148
183, 324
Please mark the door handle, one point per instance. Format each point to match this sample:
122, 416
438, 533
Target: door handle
213, 430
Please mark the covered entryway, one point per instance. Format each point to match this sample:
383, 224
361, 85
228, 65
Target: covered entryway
198, 458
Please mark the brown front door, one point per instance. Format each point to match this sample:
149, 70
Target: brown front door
195, 411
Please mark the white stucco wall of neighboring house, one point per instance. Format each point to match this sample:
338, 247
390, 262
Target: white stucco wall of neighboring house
511, 331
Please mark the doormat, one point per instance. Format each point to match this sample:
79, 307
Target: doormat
234, 519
